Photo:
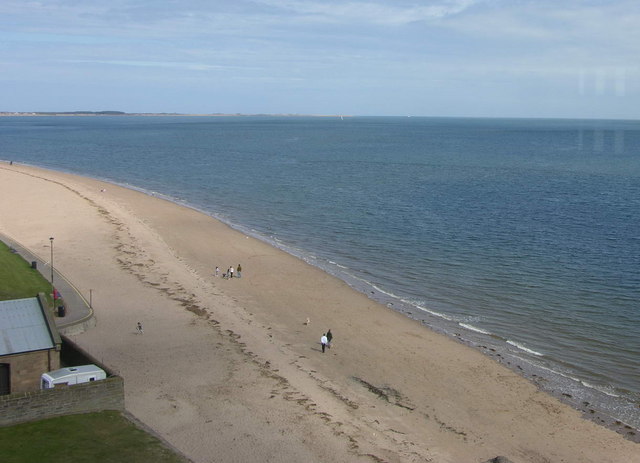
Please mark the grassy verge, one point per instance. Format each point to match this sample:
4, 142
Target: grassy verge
101, 437
17, 279
105, 437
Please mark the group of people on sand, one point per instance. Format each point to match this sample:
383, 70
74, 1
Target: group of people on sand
325, 340
230, 272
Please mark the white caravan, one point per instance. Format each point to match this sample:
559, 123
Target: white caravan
71, 375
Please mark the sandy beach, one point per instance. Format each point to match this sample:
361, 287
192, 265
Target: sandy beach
228, 370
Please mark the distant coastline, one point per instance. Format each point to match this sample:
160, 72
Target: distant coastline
122, 113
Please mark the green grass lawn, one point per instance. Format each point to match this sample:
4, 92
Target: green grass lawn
17, 279
93, 437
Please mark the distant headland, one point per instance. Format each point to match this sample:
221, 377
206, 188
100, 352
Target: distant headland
122, 113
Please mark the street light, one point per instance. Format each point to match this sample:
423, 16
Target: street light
53, 289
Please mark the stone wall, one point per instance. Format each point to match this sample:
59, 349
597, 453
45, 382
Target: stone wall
106, 394
26, 368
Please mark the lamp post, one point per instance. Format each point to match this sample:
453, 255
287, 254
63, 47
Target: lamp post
53, 289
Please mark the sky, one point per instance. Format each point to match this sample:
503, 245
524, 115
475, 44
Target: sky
451, 58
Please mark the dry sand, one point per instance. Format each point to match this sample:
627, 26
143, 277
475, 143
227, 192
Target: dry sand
227, 370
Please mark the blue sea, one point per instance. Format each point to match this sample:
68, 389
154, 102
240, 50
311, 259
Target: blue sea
518, 237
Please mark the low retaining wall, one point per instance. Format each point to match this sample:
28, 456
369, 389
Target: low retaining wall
106, 394
95, 396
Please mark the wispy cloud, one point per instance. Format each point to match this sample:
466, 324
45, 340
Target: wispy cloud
346, 47
147, 64
380, 12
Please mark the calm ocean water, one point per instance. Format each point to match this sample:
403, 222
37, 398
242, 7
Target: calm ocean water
518, 237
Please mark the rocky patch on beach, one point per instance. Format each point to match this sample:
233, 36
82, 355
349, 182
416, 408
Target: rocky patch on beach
499, 460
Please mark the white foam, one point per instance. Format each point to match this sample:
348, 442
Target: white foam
434, 313
524, 348
602, 389
474, 328
380, 290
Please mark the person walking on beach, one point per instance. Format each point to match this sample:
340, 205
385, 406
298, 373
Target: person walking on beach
323, 341
230, 272
217, 271
329, 338
239, 270
139, 328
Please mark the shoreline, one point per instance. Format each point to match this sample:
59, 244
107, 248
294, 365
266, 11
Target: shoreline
259, 299
592, 403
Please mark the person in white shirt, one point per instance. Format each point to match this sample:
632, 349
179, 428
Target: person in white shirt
324, 341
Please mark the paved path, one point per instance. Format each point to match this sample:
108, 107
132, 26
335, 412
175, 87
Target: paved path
78, 314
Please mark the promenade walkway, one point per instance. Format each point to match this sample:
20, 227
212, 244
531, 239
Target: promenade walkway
78, 313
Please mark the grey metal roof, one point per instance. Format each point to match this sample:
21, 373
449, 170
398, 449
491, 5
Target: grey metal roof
23, 327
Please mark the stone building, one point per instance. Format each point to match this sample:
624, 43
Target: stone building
29, 344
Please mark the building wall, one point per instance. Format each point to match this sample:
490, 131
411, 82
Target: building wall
106, 394
26, 368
